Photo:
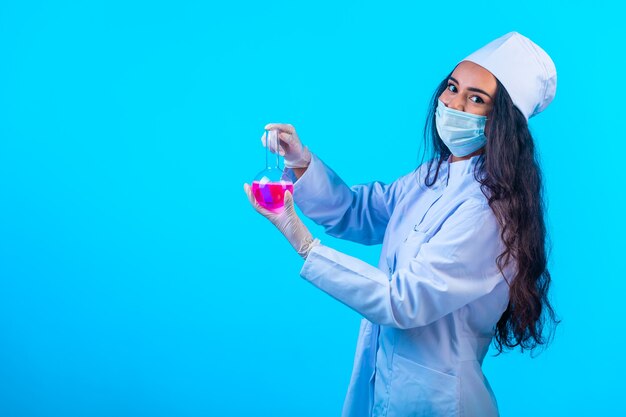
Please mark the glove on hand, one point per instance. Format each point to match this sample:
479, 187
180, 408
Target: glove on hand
288, 222
296, 155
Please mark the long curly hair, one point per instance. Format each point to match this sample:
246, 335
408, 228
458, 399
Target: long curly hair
510, 178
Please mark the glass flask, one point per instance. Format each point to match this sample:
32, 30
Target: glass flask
269, 185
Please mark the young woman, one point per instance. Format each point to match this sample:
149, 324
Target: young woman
463, 259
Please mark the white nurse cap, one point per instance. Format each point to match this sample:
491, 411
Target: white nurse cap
525, 70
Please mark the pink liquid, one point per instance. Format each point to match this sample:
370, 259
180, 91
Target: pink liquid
271, 195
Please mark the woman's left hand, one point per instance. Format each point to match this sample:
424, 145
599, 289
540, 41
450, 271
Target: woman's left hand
288, 222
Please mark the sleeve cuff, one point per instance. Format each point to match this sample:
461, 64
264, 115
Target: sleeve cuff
307, 186
327, 264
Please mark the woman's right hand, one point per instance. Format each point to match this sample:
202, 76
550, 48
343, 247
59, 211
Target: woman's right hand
296, 155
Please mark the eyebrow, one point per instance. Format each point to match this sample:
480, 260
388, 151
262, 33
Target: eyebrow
476, 90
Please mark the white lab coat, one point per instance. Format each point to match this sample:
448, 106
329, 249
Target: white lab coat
431, 305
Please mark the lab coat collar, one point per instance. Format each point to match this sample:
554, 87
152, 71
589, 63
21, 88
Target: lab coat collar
459, 169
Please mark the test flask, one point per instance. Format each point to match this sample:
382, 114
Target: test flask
269, 185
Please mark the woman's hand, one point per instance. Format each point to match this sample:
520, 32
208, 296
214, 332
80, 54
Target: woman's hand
296, 155
288, 222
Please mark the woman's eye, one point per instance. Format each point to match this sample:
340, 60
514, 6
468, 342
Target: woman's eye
478, 99
452, 88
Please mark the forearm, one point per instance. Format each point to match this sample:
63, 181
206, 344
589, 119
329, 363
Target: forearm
358, 213
299, 172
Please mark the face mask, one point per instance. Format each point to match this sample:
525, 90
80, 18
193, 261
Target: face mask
463, 133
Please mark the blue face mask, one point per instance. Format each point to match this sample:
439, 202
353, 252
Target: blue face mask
463, 133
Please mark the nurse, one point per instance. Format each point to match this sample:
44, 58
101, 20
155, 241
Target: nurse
463, 260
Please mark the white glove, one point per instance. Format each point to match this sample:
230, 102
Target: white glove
296, 155
288, 222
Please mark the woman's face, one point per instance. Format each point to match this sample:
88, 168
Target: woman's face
471, 89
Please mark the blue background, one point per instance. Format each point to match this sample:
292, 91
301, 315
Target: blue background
135, 279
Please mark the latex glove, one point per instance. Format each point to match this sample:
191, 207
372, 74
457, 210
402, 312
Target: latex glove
296, 155
288, 222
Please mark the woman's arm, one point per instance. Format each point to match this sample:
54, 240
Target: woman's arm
359, 213
454, 268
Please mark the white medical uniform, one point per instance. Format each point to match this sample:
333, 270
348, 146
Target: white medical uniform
431, 305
